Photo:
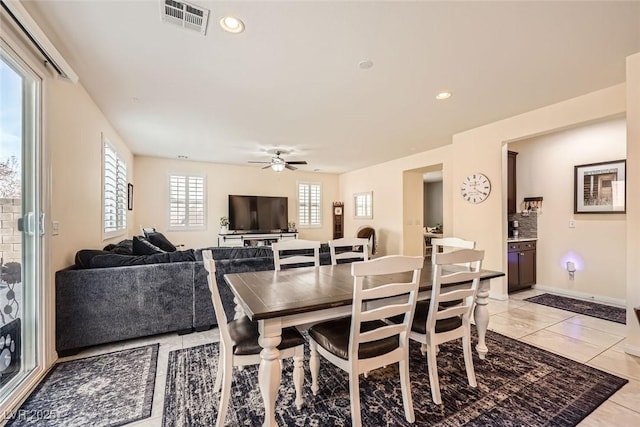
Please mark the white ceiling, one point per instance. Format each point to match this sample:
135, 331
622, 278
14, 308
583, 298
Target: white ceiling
292, 81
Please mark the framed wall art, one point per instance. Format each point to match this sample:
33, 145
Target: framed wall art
600, 187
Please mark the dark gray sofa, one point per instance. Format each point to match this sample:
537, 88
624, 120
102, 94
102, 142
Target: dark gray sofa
102, 305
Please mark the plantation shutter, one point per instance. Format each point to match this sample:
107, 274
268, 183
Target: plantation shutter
114, 190
186, 202
309, 205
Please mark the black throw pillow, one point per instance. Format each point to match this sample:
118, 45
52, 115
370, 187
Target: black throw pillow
142, 246
160, 241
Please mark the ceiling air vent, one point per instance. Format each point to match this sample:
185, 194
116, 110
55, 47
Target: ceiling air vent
186, 15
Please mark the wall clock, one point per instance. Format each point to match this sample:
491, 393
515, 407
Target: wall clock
476, 188
337, 210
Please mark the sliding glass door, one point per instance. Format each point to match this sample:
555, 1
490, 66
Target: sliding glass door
21, 220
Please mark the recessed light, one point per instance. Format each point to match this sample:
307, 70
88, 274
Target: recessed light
365, 65
232, 24
443, 95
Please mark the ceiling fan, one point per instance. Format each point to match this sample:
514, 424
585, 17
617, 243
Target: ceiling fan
278, 164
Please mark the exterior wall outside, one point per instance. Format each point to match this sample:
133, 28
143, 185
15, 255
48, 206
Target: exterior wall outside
597, 245
11, 238
151, 195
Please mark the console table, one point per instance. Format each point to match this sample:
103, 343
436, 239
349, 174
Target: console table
253, 239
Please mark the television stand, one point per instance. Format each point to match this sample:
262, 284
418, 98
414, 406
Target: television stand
231, 240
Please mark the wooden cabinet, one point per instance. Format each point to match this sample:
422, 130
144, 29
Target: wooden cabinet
512, 202
521, 265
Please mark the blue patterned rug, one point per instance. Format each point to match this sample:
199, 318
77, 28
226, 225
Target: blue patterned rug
588, 308
518, 385
107, 390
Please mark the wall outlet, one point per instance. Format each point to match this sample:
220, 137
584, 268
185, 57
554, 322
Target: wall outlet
572, 223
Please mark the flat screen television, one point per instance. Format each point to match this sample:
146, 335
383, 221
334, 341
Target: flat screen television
261, 214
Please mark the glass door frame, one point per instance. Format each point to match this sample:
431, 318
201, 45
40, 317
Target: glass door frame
42, 297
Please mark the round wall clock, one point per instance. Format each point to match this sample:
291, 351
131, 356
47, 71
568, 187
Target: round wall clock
476, 188
337, 210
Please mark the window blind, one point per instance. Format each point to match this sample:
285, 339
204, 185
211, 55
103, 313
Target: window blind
309, 204
186, 201
114, 190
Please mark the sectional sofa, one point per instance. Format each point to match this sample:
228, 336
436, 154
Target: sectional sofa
149, 295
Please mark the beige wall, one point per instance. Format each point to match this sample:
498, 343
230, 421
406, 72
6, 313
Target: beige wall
633, 202
597, 245
151, 193
386, 180
73, 135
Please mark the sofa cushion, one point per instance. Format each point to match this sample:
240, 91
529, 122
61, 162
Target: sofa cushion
84, 257
116, 260
142, 246
160, 241
124, 247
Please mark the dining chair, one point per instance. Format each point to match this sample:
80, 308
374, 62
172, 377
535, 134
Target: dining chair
366, 232
448, 244
362, 342
357, 248
239, 346
446, 316
294, 247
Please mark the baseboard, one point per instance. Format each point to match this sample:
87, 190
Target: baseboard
632, 350
582, 295
499, 296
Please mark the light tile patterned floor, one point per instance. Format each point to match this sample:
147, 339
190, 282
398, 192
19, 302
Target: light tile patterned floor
596, 342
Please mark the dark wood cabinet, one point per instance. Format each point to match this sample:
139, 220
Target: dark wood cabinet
521, 265
512, 202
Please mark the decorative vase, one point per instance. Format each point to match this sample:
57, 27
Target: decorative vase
224, 229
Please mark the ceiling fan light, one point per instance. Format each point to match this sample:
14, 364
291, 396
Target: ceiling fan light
278, 167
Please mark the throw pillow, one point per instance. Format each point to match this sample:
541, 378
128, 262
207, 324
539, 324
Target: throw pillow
160, 241
142, 246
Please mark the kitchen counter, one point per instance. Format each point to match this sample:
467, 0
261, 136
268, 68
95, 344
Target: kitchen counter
521, 239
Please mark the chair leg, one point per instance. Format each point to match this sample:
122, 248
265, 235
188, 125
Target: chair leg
354, 394
227, 376
468, 360
298, 377
433, 377
218, 382
314, 366
405, 383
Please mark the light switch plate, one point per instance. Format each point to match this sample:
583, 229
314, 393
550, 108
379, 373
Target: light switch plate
572, 223
55, 228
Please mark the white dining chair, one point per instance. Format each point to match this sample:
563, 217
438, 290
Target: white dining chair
357, 248
446, 316
448, 244
239, 346
361, 342
296, 246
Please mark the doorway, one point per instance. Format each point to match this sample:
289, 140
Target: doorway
21, 259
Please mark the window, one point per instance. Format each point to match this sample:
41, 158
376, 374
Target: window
363, 203
186, 202
114, 190
309, 204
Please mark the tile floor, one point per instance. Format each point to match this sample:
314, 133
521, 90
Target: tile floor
596, 342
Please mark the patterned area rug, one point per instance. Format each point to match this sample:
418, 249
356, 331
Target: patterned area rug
518, 385
107, 390
588, 308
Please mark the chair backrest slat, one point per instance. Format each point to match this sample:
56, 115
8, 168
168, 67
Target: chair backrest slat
390, 298
448, 244
295, 245
359, 249
464, 292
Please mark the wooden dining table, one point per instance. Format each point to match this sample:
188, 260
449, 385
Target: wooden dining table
303, 296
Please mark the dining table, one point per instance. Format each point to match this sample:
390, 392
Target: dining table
303, 296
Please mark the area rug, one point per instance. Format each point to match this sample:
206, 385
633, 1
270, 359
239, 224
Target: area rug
518, 385
107, 390
588, 308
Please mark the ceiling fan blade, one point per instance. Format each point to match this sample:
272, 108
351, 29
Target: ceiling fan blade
301, 162
266, 167
257, 162
288, 166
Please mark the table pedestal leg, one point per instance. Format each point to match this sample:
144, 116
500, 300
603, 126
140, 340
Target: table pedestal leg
481, 316
238, 311
270, 369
